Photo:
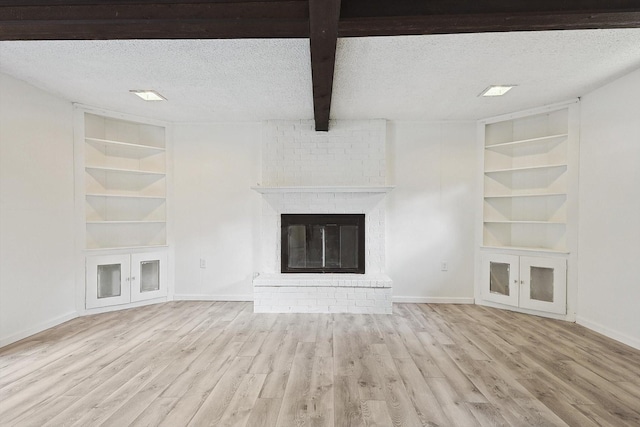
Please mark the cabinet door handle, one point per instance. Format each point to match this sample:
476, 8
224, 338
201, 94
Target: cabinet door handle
127, 279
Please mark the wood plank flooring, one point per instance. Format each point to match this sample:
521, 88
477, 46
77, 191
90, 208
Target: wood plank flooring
219, 364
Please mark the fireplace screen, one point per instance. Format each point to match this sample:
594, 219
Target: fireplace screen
322, 243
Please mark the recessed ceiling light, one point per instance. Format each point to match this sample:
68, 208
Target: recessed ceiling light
497, 90
148, 95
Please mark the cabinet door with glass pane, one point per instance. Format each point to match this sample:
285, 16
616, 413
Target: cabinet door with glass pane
148, 276
501, 278
543, 284
108, 280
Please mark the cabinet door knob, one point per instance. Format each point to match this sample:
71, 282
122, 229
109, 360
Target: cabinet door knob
522, 282
515, 281
133, 278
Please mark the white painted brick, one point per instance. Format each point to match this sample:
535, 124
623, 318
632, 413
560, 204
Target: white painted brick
327, 301
352, 153
309, 302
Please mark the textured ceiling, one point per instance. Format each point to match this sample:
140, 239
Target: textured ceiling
401, 78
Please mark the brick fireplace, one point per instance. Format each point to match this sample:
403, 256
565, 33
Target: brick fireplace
338, 172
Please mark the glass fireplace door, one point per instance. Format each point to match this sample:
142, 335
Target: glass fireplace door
319, 243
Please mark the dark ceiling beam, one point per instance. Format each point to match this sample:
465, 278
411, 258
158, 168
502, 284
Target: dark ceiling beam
360, 18
456, 24
109, 20
323, 34
140, 29
387, 8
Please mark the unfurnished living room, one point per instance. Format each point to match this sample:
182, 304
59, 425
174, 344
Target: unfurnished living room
319, 213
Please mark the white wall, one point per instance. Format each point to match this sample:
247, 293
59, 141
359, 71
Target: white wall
36, 210
215, 212
430, 214
609, 228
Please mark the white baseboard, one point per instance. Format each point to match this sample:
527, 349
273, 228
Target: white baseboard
37, 328
569, 317
108, 309
198, 297
607, 332
433, 300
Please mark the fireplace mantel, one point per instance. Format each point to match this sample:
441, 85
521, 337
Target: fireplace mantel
323, 189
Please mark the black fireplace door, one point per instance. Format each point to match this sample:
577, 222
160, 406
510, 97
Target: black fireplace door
322, 243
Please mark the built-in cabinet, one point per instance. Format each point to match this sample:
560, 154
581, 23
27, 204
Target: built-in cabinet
535, 283
122, 189
529, 208
125, 278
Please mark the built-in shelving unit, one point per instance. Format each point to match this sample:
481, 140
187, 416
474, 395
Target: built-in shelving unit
121, 206
527, 232
125, 183
526, 164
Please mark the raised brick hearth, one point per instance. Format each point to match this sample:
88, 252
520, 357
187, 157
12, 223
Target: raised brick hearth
322, 293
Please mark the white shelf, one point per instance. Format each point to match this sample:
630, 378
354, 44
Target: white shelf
525, 222
126, 222
527, 168
126, 196
327, 189
513, 196
524, 142
127, 171
113, 248
126, 145
524, 248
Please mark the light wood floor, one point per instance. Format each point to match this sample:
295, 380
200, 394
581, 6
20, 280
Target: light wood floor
215, 363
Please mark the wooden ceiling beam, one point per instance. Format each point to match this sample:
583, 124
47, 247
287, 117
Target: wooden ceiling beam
323, 35
166, 20
141, 29
456, 24
386, 8
145, 3
360, 18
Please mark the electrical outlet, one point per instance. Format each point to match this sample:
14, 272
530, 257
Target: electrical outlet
444, 266
203, 263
